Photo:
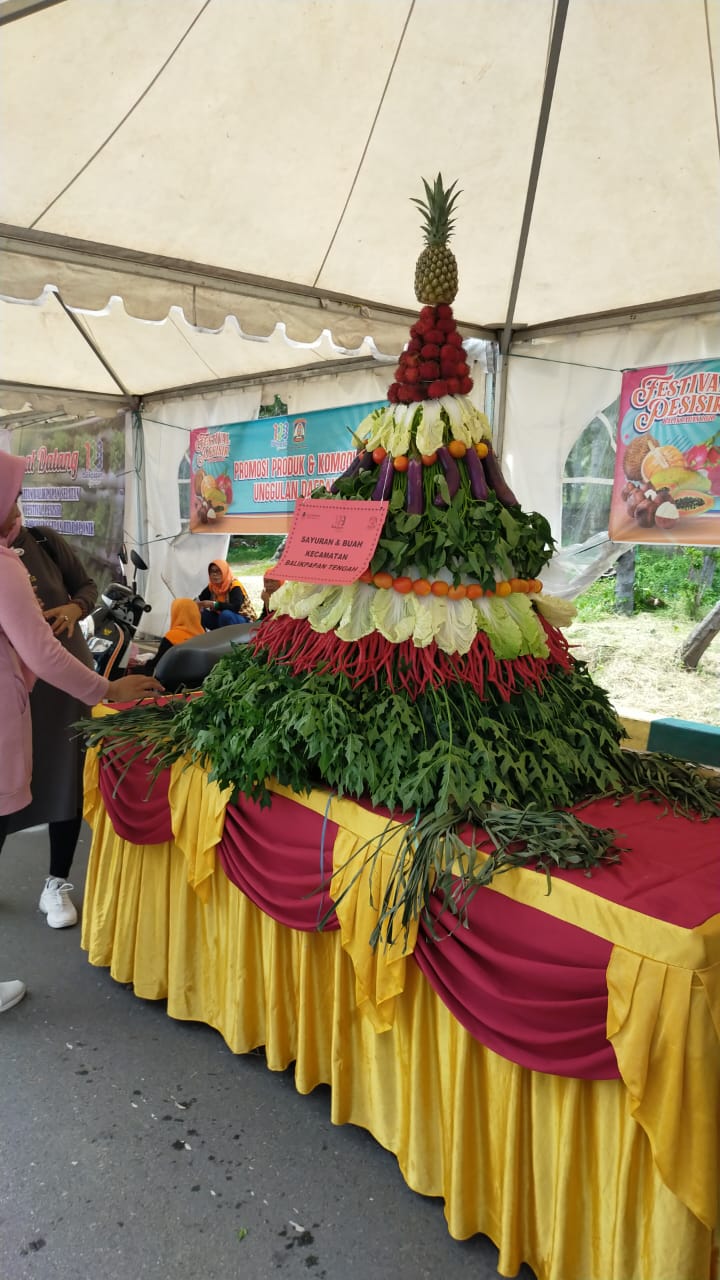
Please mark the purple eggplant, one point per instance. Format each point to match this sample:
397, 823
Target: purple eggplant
497, 481
381, 492
415, 497
478, 483
452, 475
361, 462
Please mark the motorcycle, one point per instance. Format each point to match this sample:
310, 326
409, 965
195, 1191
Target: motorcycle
111, 627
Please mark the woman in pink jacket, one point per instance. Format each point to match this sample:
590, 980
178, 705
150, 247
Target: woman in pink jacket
28, 649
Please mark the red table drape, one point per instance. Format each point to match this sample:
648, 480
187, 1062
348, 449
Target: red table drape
527, 985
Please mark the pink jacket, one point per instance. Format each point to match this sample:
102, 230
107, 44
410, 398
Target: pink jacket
28, 649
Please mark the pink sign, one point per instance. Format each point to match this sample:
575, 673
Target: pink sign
331, 540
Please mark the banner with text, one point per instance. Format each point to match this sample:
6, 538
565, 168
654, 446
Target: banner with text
247, 476
667, 467
75, 484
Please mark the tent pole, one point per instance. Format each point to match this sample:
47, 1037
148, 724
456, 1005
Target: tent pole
92, 345
545, 104
318, 369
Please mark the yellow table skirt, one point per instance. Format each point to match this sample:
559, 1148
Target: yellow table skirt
554, 1170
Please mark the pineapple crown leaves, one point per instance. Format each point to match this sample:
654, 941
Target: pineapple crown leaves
437, 210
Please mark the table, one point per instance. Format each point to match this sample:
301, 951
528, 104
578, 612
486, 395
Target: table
552, 1072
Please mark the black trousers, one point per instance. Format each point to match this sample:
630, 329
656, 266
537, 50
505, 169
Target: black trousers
63, 840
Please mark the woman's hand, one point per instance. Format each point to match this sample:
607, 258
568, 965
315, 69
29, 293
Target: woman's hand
62, 618
128, 688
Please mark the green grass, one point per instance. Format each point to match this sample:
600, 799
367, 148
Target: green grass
670, 580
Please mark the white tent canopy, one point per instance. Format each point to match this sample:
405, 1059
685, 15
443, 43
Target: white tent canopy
255, 159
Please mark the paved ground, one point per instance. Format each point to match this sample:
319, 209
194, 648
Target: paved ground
133, 1146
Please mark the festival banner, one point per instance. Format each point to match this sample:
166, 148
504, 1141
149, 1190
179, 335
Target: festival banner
75, 484
666, 487
247, 476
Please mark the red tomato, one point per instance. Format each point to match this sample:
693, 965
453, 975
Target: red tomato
457, 593
428, 459
382, 579
421, 587
402, 585
401, 463
379, 454
439, 588
474, 591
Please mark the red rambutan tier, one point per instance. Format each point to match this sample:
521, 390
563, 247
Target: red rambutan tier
429, 370
293, 643
421, 327
437, 389
453, 339
449, 352
405, 393
427, 313
419, 391
430, 351
435, 335
462, 369
444, 311
445, 324
413, 346
466, 386
392, 393
412, 374
448, 369
453, 386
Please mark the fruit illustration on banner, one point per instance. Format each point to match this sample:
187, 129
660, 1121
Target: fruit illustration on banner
212, 495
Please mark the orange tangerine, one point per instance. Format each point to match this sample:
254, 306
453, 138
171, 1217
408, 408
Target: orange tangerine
401, 463
481, 449
457, 593
382, 579
503, 589
421, 587
457, 449
402, 585
474, 591
439, 588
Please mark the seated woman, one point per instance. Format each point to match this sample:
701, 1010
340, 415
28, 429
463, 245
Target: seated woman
184, 624
227, 600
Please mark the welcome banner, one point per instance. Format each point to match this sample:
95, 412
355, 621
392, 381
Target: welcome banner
247, 476
667, 468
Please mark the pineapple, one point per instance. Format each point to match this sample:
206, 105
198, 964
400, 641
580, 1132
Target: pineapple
436, 273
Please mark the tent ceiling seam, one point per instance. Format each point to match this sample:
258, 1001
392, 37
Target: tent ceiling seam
76, 321
121, 122
713, 88
540, 136
368, 140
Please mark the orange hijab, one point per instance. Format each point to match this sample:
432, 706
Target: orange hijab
184, 621
221, 589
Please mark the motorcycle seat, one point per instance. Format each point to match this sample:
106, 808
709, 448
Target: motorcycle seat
186, 665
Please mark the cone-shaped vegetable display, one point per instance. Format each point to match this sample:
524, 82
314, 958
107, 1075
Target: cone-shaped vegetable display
439, 684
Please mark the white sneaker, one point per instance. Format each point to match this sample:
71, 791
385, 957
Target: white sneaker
56, 904
11, 993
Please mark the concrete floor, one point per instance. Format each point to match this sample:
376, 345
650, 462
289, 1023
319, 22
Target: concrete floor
133, 1146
